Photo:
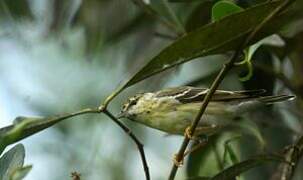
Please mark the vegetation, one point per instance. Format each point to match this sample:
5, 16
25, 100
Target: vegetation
73, 50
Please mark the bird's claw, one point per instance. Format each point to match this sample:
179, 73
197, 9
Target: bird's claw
177, 161
188, 133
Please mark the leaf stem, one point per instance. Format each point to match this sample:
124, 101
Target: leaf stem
134, 138
110, 98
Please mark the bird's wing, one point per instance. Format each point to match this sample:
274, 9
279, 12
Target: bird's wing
188, 94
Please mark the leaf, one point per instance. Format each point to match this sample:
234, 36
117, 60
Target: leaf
229, 151
26, 126
20, 173
199, 17
247, 61
273, 40
251, 128
215, 38
11, 160
18, 9
204, 162
224, 8
261, 79
246, 165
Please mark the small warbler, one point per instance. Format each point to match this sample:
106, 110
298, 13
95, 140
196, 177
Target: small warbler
172, 110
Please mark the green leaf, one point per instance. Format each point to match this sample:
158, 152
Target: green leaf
199, 17
251, 128
246, 165
20, 173
273, 40
18, 9
229, 151
11, 160
224, 8
247, 61
204, 161
26, 126
215, 38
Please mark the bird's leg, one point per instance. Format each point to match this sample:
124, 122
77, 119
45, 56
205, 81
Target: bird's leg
178, 161
202, 141
188, 133
202, 131
200, 135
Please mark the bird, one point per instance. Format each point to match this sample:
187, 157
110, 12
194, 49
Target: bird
172, 110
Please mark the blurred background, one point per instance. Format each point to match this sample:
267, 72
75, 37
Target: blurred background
62, 56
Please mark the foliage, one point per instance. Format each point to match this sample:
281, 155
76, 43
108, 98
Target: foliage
189, 30
11, 164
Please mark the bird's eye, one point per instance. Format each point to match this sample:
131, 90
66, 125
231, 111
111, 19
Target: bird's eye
133, 103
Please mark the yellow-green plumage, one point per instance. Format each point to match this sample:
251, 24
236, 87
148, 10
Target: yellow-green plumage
173, 110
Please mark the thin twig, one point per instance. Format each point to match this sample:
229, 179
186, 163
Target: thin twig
134, 138
295, 156
292, 154
226, 68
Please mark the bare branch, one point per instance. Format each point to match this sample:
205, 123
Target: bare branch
134, 138
292, 154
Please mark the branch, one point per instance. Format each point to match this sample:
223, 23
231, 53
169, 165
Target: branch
27, 126
134, 138
226, 68
293, 154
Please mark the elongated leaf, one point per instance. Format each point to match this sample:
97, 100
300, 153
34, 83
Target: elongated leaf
229, 151
199, 17
204, 161
11, 160
246, 165
251, 128
26, 126
20, 173
217, 37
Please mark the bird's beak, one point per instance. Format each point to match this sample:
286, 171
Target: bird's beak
121, 115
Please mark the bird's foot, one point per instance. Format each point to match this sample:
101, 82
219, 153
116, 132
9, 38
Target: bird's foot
201, 141
177, 160
188, 133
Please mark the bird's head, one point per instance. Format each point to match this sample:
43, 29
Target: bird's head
132, 107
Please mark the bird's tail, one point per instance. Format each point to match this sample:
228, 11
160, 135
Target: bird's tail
257, 102
277, 98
